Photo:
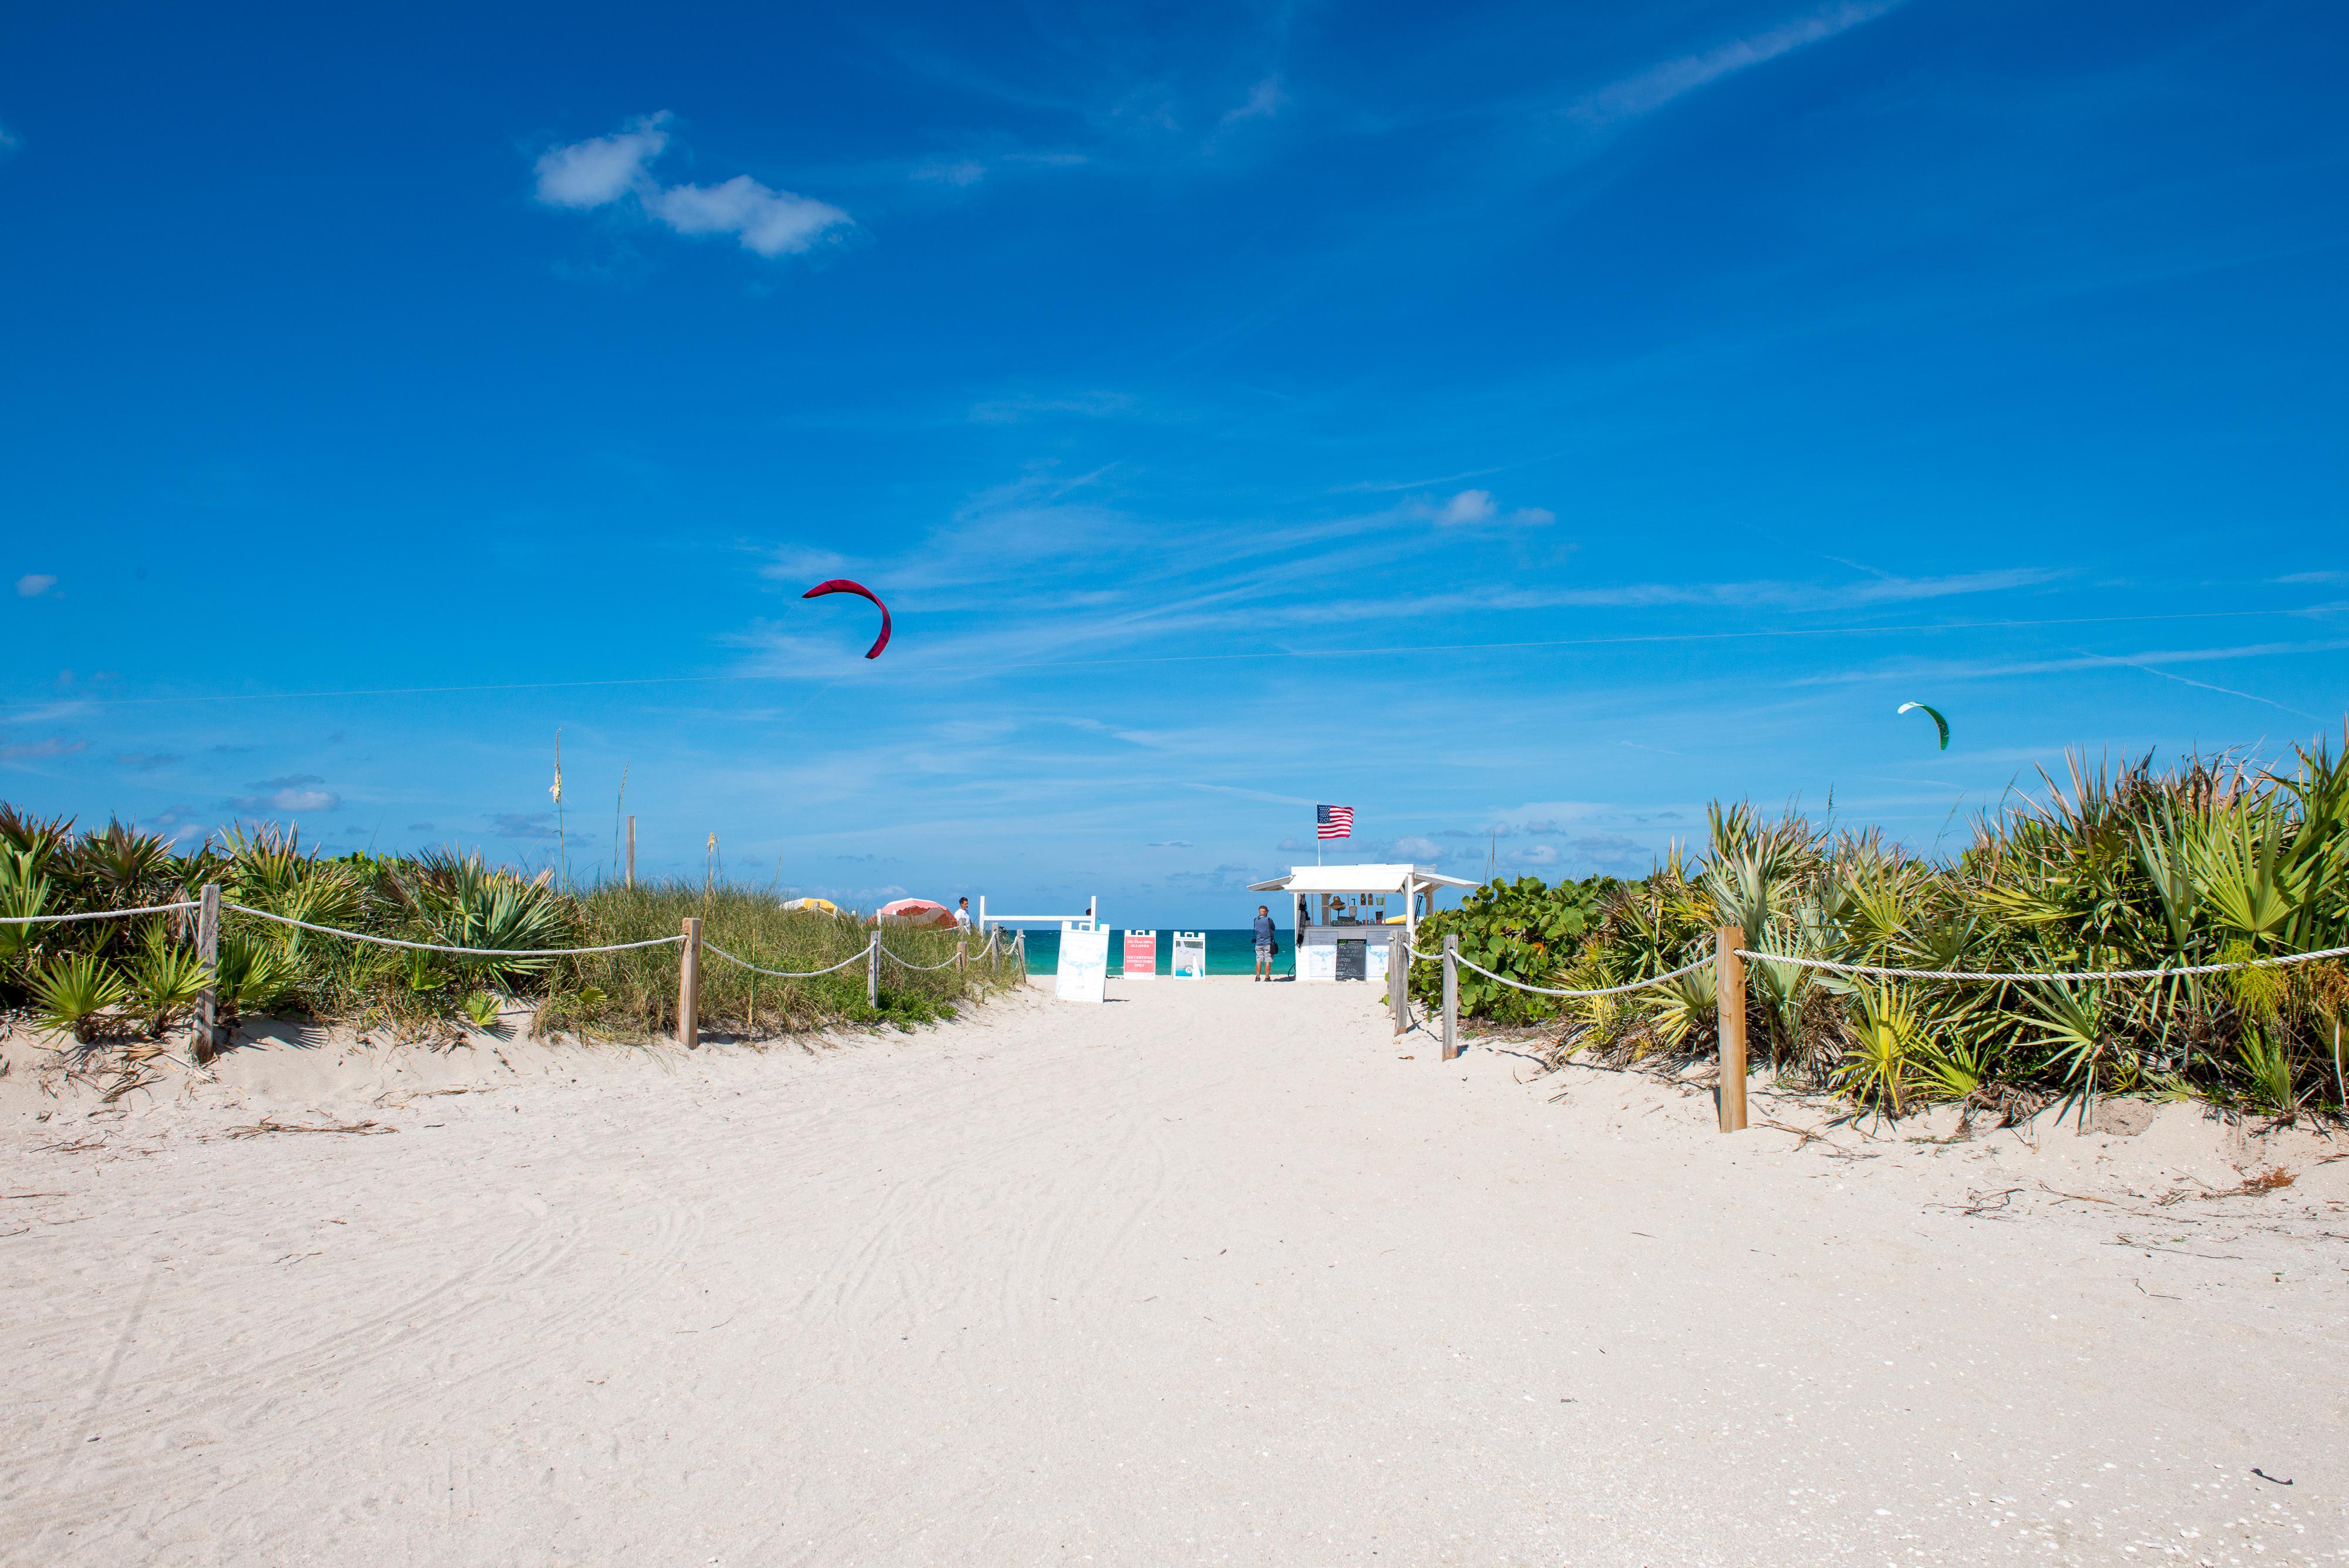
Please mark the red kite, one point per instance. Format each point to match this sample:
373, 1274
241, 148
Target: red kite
842, 586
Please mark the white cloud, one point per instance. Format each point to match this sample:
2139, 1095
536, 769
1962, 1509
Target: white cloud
1652, 88
39, 751
771, 223
1264, 101
32, 584
602, 168
962, 171
1468, 506
296, 792
606, 169
1419, 849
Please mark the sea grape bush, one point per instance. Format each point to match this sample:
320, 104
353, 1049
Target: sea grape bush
1525, 930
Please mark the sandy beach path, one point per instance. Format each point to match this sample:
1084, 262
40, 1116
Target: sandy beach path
1208, 1273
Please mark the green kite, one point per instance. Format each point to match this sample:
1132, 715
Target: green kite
1935, 713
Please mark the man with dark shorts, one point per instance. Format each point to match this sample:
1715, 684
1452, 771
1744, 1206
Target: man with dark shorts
1264, 942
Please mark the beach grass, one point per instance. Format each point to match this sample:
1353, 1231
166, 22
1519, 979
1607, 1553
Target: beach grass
116, 979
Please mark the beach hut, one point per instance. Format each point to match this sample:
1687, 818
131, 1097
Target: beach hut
1347, 919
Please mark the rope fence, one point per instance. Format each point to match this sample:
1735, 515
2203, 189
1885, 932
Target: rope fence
1729, 959
96, 915
2163, 973
1602, 991
793, 974
442, 947
690, 941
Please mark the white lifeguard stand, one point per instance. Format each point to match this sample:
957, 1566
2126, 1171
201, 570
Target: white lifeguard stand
1345, 928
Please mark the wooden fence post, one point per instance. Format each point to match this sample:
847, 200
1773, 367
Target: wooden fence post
962, 955
207, 1039
1398, 980
632, 852
1450, 997
688, 985
873, 969
1729, 996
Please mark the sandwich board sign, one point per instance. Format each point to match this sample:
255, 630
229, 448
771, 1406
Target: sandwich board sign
1084, 966
1190, 955
1140, 955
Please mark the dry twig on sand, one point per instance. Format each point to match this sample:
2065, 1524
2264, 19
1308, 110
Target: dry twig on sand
1979, 1204
271, 1124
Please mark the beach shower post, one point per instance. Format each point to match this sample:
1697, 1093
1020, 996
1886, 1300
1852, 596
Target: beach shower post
1729, 998
1450, 997
207, 1039
688, 985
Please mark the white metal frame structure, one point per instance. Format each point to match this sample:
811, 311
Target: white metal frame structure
1088, 921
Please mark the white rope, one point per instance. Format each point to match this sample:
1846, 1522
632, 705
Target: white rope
94, 915
437, 948
1604, 991
2077, 974
708, 946
895, 959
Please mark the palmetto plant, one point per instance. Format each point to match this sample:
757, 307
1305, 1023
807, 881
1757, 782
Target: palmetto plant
77, 992
1886, 1051
254, 975
166, 979
461, 902
24, 892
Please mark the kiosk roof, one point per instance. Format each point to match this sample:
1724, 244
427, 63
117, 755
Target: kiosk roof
1375, 878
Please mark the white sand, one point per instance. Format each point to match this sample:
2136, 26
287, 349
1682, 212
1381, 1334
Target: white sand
1205, 1275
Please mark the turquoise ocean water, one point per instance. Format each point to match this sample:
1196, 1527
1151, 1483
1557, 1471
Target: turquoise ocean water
1228, 952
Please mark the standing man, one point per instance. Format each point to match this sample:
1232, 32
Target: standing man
962, 915
1264, 942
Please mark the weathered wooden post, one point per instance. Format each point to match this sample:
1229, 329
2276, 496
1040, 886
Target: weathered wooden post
632, 852
1450, 997
1398, 980
207, 1039
1729, 996
688, 985
962, 956
873, 969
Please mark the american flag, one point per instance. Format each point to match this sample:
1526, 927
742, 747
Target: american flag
1333, 822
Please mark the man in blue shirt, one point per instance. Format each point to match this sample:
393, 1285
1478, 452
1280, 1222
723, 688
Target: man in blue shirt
1264, 942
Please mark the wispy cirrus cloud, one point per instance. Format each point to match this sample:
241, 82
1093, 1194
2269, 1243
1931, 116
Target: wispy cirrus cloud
1651, 89
1264, 101
616, 170
43, 750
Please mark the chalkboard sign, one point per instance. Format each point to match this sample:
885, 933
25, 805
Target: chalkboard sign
1353, 962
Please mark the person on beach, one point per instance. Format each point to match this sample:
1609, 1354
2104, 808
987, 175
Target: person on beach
962, 915
1264, 942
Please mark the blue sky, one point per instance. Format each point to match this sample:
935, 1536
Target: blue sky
1522, 423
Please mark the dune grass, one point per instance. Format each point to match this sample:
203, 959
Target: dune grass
119, 980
